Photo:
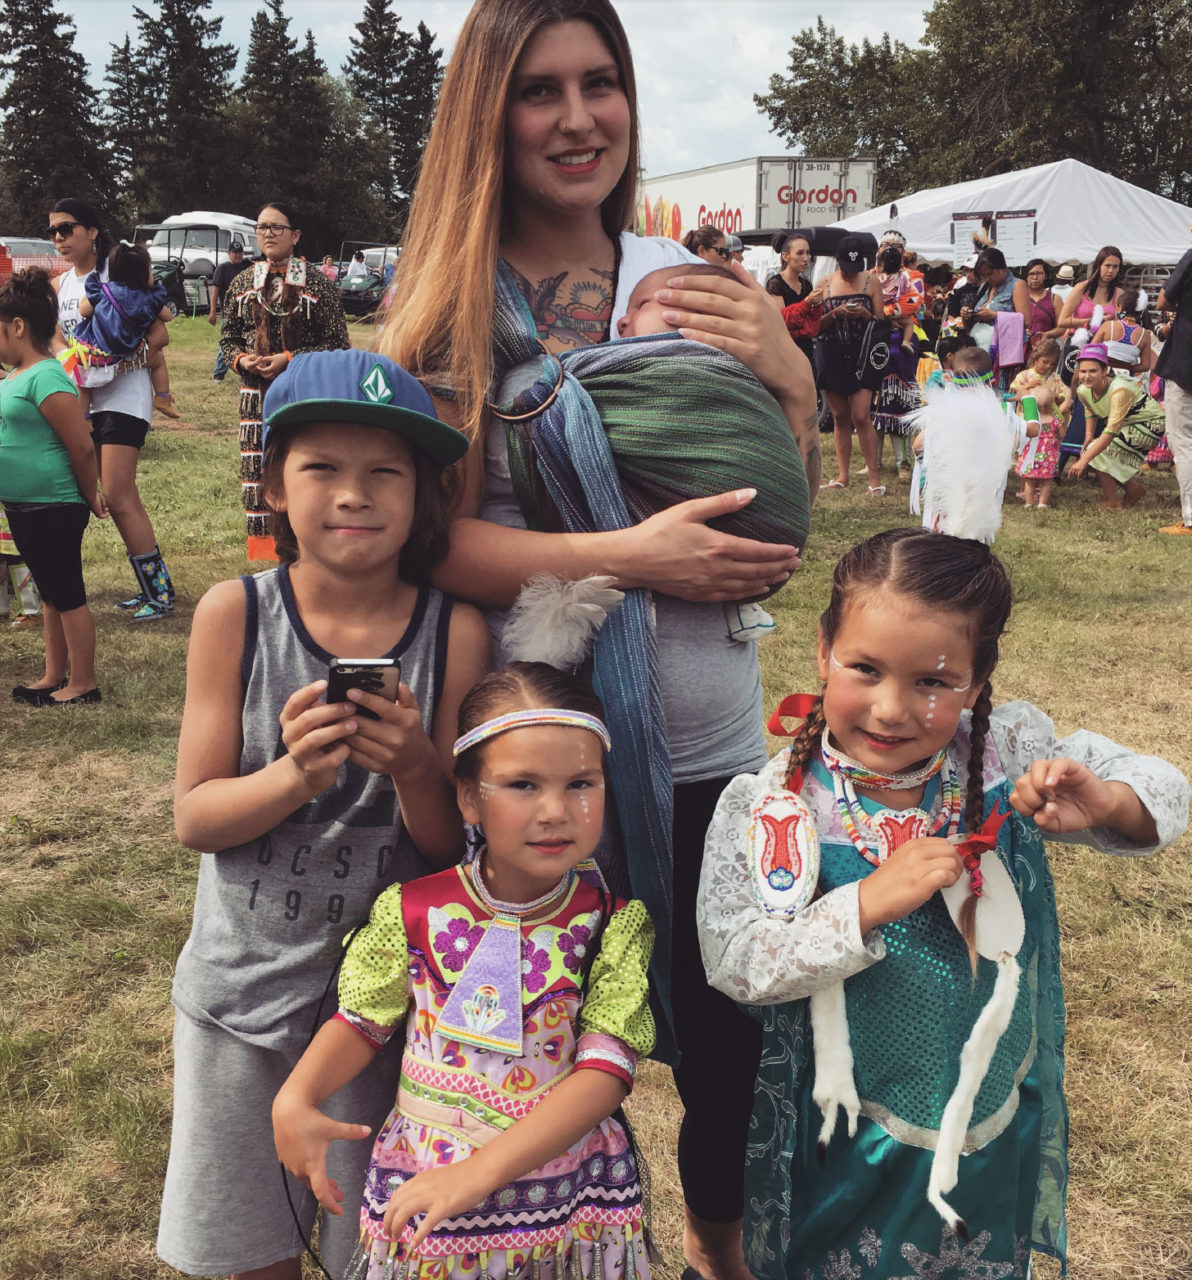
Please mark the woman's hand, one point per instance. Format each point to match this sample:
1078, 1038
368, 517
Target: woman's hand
302, 1134
437, 1194
676, 553
268, 367
314, 732
395, 743
99, 506
986, 316
905, 881
736, 316
1079, 467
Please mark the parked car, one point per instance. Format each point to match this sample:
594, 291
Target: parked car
32, 251
199, 240
363, 295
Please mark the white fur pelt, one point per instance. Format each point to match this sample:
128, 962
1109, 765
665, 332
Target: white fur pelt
975, 1058
834, 1085
555, 621
968, 448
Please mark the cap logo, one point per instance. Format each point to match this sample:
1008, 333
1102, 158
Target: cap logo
376, 386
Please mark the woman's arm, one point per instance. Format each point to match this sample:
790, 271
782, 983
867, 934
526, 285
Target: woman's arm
1068, 318
1022, 303
674, 552
64, 412
1057, 306
214, 807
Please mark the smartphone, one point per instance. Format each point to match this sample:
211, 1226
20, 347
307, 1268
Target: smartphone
374, 675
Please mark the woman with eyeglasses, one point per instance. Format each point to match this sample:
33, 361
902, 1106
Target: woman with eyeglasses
121, 411
273, 309
536, 135
1045, 306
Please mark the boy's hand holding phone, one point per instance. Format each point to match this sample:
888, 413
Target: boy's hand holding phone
394, 742
314, 734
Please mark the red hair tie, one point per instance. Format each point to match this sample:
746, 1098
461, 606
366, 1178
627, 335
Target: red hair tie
800, 705
981, 841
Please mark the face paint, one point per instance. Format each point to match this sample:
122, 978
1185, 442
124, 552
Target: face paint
942, 663
931, 708
487, 788
963, 688
833, 665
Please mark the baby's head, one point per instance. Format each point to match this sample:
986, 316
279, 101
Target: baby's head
948, 346
643, 315
1046, 357
971, 365
1044, 397
129, 264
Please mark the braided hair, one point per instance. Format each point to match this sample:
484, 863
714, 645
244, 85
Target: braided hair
937, 571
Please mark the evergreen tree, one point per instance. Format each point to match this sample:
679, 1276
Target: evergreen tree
396, 76
50, 146
126, 116
185, 70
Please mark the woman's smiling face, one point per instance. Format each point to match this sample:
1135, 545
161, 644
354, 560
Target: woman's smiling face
567, 124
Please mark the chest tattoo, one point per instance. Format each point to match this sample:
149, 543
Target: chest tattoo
571, 309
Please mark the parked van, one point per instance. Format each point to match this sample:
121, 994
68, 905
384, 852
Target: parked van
201, 245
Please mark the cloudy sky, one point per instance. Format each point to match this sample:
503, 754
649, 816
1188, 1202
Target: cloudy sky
699, 62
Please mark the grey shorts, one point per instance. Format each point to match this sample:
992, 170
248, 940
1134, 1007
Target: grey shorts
224, 1207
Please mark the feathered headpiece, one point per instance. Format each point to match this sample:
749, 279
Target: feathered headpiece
968, 447
555, 622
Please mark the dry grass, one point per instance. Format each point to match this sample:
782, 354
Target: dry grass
97, 894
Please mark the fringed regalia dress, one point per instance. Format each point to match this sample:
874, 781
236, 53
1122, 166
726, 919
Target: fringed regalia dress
860, 1211
310, 319
500, 1004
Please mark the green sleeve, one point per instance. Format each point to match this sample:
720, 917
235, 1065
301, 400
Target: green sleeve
617, 999
373, 982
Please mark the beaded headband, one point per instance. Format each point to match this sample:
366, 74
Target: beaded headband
525, 719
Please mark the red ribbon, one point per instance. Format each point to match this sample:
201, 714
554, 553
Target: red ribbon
794, 704
981, 841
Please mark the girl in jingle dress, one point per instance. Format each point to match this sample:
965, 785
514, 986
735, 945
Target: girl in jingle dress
909, 981
523, 988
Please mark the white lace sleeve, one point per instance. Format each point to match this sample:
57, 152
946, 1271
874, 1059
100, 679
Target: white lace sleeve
1023, 734
751, 954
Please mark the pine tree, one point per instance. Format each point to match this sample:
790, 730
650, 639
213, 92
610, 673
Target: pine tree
125, 114
50, 146
396, 76
185, 69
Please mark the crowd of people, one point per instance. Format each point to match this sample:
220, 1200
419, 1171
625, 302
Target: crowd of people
881, 341
541, 848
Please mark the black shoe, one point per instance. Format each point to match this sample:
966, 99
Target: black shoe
92, 695
218, 377
36, 697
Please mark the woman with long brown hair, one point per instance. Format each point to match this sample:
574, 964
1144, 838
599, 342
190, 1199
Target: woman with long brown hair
527, 184
273, 309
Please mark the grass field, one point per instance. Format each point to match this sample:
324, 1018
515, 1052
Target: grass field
97, 894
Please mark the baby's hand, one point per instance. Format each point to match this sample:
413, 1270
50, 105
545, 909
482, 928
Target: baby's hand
395, 743
314, 733
1062, 795
908, 877
437, 1194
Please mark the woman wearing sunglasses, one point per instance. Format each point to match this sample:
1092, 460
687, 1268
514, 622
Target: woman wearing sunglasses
121, 411
272, 310
708, 243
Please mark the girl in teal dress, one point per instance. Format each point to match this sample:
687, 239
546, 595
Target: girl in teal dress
881, 892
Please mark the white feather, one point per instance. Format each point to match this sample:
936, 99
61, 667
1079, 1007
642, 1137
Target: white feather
1098, 316
555, 621
1144, 302
968, 447
1081, 338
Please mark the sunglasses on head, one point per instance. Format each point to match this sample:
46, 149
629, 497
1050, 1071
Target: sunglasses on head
61, 229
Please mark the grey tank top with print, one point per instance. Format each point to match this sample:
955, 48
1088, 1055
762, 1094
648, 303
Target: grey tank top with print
270, 915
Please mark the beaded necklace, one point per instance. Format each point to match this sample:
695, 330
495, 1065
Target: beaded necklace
510, 910
891, 827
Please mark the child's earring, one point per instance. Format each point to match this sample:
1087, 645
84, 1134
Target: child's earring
95, 247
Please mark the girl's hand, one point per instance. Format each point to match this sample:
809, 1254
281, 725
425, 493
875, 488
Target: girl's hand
736, 316
270, 366
246, 363
1063, 795
817, 295
676, 553
314, 734
908, 877
396, 743
302, 1134
437, 1194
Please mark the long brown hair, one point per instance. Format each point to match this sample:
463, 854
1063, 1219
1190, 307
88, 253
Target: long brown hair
458, 212
940, 572
1094, 279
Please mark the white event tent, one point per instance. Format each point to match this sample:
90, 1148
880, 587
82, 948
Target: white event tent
1077, 210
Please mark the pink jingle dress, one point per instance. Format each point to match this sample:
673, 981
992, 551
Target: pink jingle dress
501, 1003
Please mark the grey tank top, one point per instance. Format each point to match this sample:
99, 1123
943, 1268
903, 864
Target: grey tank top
270, 915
